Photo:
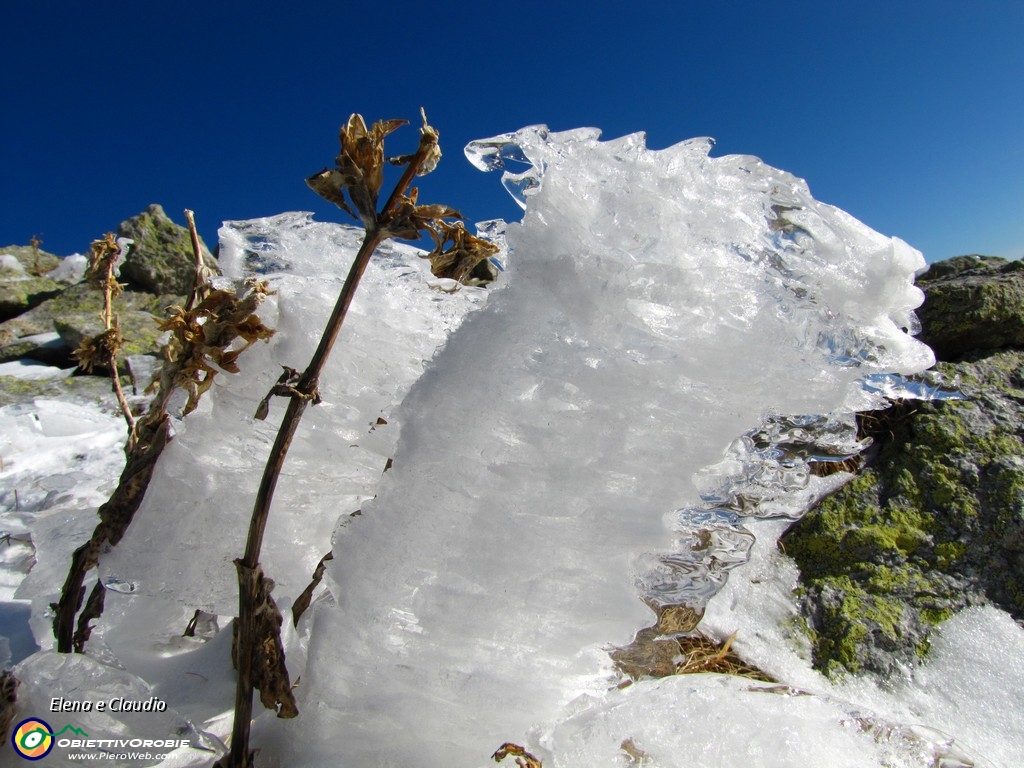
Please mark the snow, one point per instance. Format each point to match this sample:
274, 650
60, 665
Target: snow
71, 268
668, 327
10, 264
652, 314
33, 370
396, 323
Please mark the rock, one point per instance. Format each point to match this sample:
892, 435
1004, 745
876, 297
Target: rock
77, 311
94, 390
161, 259
71, 269
43, 347
19, 294
935, 522
35, 262
973, 303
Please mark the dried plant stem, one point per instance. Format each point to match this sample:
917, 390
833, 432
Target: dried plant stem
197, 251
110, 324
249, 573
148, 436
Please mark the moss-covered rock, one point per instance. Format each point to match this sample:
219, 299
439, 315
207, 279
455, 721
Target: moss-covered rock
35, 261
77, 311
973, 303
94, 390
19, 294
935, 522
43, 348
161, 259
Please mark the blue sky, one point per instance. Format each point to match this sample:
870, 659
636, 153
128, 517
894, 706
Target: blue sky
907, 114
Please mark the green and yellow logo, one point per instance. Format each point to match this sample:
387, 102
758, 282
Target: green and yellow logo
34, 738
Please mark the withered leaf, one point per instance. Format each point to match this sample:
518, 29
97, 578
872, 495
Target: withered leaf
270, 675
523, 758
214, 333
456, 252
329, 184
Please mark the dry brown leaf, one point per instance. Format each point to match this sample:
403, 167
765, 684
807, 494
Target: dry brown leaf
206, 339
523, 758
457, 254
270, 674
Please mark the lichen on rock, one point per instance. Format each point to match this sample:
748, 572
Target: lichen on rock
161, 260
34, 260
20, 294
973, 303
76, 313
935, 522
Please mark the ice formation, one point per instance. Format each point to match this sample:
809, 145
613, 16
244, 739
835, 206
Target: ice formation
395, 324
659, 305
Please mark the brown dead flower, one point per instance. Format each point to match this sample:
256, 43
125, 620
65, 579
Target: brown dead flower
458, 254
360, 168
99, 350
205, 339
105, 258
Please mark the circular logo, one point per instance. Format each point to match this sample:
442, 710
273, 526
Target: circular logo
33, 738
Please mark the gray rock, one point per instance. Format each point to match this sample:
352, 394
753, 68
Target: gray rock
76, 312
161, 260
35, 262
95, 390
19, 294
44, 347
973, 303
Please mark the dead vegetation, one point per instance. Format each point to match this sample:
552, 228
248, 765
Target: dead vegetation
653, 654
523, 758
204, 339
354, 185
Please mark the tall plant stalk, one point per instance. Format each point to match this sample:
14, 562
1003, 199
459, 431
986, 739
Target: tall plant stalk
204, 333
258, 652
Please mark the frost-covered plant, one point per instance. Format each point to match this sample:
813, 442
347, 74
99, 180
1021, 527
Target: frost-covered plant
105, 259
354, 185
207, 335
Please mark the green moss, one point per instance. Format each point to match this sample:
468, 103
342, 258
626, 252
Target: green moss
905, 484
850, 529
888, 580
847, 624
947, 553
935, 616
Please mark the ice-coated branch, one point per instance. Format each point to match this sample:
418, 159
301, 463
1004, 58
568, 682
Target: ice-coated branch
203, 335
